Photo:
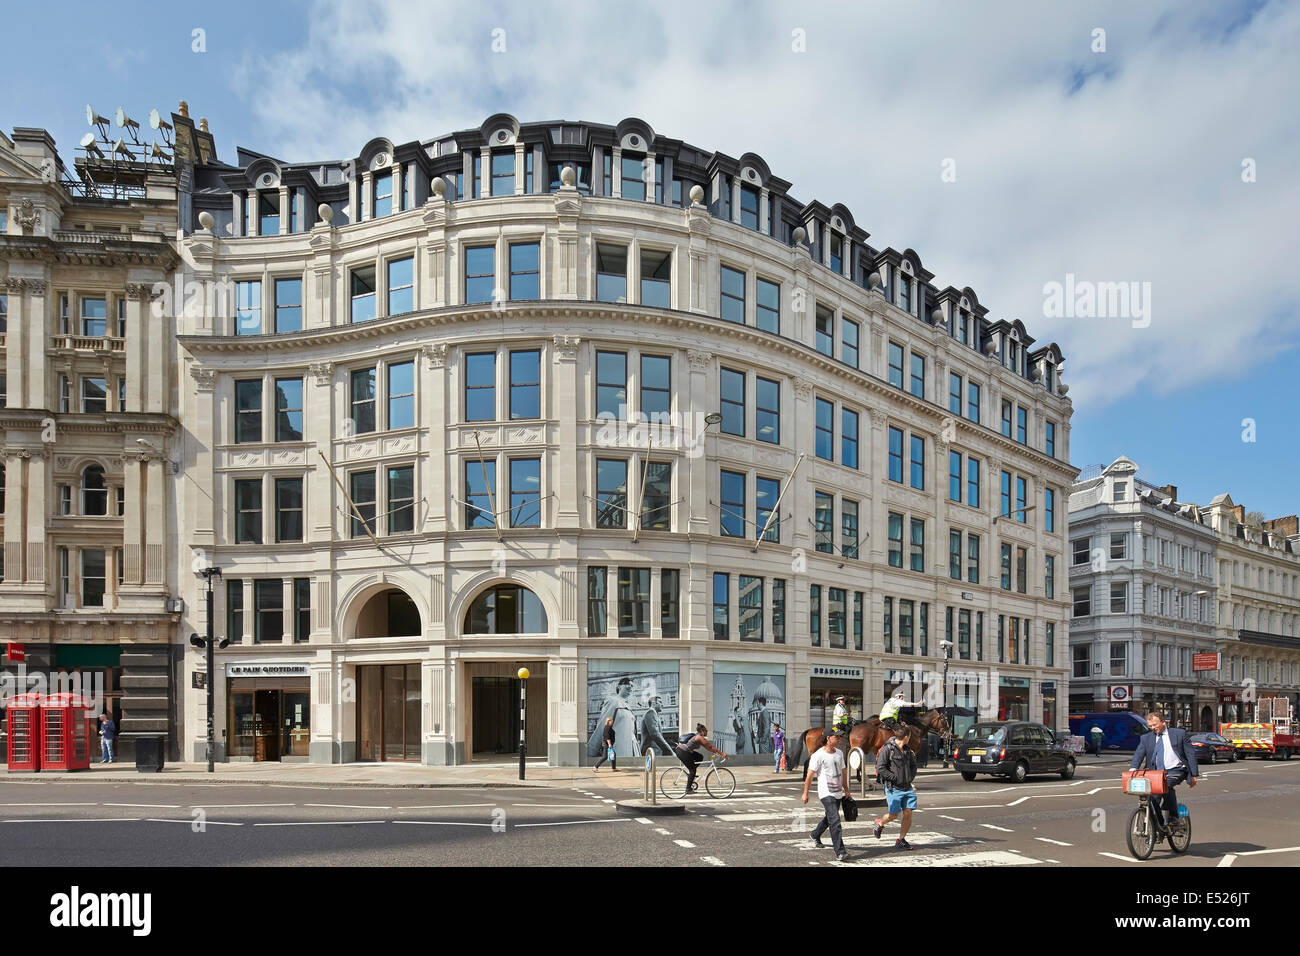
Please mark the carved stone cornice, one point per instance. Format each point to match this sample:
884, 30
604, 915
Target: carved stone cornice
699, 359
204, 377
322, 373
435, 355
566, 347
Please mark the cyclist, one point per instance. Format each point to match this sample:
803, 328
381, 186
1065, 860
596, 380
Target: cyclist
686, 753
1166, 748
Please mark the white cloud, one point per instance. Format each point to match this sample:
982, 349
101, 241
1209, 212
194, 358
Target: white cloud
1136, 176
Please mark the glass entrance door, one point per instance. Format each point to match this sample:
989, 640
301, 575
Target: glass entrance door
296, 741
496, 715
266, 725
388, 712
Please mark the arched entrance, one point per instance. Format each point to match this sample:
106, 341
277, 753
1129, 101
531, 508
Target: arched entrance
494, 688
388, 694
1207, 719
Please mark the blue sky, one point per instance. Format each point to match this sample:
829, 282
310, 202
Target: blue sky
1118, 164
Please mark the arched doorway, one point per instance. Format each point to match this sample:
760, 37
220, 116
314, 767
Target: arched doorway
1207, 719
494, 688
389, 694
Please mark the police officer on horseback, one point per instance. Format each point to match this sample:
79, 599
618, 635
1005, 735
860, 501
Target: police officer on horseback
898, 713
840, 719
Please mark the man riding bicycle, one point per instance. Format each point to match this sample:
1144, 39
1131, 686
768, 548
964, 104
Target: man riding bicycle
690, 759
1166, 748
895, 708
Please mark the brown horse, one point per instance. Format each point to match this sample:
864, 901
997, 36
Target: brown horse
867, 735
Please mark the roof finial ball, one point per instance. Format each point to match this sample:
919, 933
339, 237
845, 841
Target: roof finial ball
799, 235
937, 317
697, 194
568, 177
325, 213
439, 187
206, 220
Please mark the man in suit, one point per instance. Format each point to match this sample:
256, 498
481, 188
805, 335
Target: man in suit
1166, 748
652, 735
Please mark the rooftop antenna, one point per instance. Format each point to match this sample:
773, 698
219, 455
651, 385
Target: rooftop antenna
128, 124
94, 119
160, 125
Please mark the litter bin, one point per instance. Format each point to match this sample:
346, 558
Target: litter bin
23, 748
149, 752
67, 729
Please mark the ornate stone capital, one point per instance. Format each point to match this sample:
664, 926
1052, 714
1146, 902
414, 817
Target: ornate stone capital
322, 373
30, 286
803, 389
205, 378
142, 292
699, 359
29, 217
566, 347
435, 354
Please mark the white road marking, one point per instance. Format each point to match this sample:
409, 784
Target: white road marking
712, 861
205, 823
431, 823
79, 820
1283, 849
662, 832
570, 823
234, 806
1116, 856
1228, 860
1021, 800
644, 820
990, 826
49, 804
685, 844
978, 858
752, 817
555, 806
452, 806
321, 823
344, 806
1053, 842
955, 819
151, 806
1051, 861
603, 800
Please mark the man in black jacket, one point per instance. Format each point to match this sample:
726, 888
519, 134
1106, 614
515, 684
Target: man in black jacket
896, 769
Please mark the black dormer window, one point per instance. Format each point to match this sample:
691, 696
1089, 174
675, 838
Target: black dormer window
749, 207
837, 253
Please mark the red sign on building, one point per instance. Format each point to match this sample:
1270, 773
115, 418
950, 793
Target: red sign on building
17, 652
1206, 662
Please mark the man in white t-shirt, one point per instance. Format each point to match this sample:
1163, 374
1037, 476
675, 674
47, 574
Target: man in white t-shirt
827, 765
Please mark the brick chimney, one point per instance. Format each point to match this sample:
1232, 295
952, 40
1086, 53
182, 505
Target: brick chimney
1288, 526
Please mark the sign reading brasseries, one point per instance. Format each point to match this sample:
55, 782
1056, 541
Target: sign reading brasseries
842, 673
268, 670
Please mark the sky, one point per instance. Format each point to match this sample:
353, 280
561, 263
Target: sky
1012, 145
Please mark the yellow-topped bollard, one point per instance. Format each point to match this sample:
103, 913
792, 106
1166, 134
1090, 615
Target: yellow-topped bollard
523, 674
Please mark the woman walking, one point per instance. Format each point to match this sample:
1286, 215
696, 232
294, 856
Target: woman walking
607, 752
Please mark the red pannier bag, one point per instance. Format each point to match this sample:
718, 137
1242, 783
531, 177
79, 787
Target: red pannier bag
1151, 782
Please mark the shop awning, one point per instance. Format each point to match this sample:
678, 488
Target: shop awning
87, 655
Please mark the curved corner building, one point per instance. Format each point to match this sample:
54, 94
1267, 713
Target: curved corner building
592, 401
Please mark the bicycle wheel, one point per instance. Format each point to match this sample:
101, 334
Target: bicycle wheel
1181, 838
672, 783
1141, 833
720, 782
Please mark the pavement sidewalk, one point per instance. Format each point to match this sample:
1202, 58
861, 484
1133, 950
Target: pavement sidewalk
473, 775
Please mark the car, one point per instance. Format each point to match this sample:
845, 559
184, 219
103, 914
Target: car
1011, 748
1211, 748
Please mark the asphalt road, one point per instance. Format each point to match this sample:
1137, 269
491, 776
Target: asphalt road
1244, 815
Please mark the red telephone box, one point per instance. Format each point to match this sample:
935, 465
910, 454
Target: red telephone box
24, 747
68, 730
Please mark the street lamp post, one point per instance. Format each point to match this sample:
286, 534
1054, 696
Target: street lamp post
947, 656
210, 644
523, 675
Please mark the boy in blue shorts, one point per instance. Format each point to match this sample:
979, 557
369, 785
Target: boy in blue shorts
896, 769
